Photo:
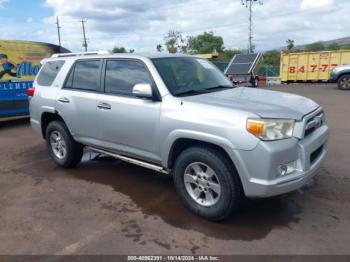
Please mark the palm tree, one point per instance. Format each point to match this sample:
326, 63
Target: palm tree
159, 48
290, 44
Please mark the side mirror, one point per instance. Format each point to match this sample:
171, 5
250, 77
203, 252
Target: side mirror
142, 91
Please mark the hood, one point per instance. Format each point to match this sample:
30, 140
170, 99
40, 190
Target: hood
265, 103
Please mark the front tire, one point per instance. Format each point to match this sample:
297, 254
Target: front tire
207, 183
344, 82
62, 148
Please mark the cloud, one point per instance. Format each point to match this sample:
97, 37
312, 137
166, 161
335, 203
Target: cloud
29, 19
307, 4
2, 3
142, 24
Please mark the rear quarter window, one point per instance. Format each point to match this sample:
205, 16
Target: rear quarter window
49, 72
84, 75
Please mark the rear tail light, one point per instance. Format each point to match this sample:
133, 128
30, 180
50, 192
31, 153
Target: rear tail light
30, 91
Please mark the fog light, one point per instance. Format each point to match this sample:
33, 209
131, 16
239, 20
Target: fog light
287, 169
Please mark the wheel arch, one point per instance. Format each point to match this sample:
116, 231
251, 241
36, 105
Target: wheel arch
183, 143
347, 72
46, 118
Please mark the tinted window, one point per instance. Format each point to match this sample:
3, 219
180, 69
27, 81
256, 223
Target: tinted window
122, 75
184, 75
85, 75
49, 72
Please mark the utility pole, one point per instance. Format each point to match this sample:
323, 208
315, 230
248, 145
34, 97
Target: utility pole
85, 44
58, 32
249, 4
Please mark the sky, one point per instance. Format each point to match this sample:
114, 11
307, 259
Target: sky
142, 24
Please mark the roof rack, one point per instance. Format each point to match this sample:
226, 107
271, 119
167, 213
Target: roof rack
80, 54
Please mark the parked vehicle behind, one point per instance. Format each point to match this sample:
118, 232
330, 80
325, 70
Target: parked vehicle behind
13, 98
179, 115
341, 76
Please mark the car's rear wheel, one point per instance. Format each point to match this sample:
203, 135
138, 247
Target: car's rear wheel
207, 183
62, 148
344, 82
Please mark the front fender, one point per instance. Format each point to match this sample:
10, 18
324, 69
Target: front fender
334, 77
195, 135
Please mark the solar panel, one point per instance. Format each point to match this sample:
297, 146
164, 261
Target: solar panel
243, 64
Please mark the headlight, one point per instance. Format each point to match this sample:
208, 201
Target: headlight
271, 129
334, 70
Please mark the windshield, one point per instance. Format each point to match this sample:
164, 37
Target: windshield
190, 76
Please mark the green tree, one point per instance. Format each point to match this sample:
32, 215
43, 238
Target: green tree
345, 46
175, 42
205, 43
131, 50
318, 46
159, 48
119, 50
227, 54
271, 58
333, 46
290, 44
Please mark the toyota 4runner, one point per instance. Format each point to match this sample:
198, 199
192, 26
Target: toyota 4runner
179, 115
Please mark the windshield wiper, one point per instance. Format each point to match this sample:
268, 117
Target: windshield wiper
216, 88
189, 92
203, 91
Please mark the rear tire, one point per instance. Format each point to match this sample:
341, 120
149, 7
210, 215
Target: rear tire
207, 183
62, 148
344, 82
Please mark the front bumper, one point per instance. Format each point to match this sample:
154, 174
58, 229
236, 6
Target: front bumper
259, 169
333, 78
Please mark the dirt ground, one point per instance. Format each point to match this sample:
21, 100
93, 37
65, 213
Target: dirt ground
107, 207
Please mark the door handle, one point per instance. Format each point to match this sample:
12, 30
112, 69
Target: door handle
104, 106
63, 100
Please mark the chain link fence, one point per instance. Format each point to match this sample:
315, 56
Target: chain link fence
267, 71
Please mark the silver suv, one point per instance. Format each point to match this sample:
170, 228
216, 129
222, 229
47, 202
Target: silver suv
179, 115
341, 76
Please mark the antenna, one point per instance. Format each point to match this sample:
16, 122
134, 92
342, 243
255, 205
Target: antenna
249, 4
59, 33
85, 44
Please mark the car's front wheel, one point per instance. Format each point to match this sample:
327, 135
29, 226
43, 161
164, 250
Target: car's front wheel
62, 148
344, 82
207, 183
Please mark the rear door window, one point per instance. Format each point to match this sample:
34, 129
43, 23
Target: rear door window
49, 72
84, 75
122, 75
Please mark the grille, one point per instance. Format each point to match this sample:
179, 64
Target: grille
314, 123
314, 155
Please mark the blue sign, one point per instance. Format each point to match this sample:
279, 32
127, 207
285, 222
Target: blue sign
14, 99
8, 86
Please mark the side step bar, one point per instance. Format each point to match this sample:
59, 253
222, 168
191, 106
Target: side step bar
131, 160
